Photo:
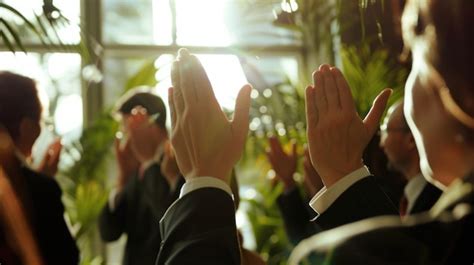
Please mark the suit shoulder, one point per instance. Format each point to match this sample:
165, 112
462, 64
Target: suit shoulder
40, 183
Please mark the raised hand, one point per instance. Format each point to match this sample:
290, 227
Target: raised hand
311, 179
336, 134
206, 143
126, 161
282, 163
49, 164
169, 167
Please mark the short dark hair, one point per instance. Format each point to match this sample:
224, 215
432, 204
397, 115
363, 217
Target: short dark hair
142, 96
450, 48
18, 100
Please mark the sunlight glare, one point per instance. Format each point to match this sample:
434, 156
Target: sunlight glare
224, 71
202, 23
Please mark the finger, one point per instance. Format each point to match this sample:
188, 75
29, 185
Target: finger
187, 66
330, 88
345, 94
270, 158
172, 107
275, 146
311, 110
202, 84
240, 122
372, 120
319, 94
177, 94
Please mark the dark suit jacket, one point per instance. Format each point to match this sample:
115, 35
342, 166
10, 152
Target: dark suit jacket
54, 240
441, 236
138, 209
427, 198
296, 216
200, 229
362, 200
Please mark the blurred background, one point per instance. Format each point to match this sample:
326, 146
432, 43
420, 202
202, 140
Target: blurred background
84, 54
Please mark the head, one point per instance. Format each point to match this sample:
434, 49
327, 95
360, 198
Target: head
153, 108
397, 142
20, 110
439, 93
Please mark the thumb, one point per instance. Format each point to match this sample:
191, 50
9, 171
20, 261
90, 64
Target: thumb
372, 119
240, 122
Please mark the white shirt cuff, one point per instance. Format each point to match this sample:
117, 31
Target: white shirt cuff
326, 197
204, 182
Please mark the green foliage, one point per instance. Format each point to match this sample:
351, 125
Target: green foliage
145, 76
369, 72
271, 240
43, 27
84, 182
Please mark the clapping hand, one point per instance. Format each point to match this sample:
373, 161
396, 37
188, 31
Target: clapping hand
49, 164
206, 143
312, 181
169, 167
336, 134
126, 161
282, 163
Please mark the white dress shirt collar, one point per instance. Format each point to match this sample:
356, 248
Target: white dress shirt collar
155, 159
413, 189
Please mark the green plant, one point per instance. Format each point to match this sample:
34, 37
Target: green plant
368, 72
84, 182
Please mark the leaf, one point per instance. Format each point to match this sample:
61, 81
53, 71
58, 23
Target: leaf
7, 41
145, 76
27, 22
41, 25
13, 34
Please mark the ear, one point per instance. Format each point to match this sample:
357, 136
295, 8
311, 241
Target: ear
410, 141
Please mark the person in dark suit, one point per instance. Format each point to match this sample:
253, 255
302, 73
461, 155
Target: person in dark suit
293, 206
399, 145
439, 111
440, 114
40, 195
148, 182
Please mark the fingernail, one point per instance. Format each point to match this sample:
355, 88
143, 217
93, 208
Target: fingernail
182, 53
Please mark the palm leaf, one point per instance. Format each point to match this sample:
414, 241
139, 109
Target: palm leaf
13, 34
30, 25
7, 41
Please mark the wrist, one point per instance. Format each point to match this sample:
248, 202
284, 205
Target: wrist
331, 176
288, 183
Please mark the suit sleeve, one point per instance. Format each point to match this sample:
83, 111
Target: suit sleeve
362, 200
157, 191
112, 222
58, 246
296, 216
200, 228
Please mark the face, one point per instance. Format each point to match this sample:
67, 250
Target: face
144, 135
396, 139
434, 130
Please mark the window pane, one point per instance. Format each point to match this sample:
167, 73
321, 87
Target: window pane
227, 73
57, 76
142, 22
230, 22
67, 28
